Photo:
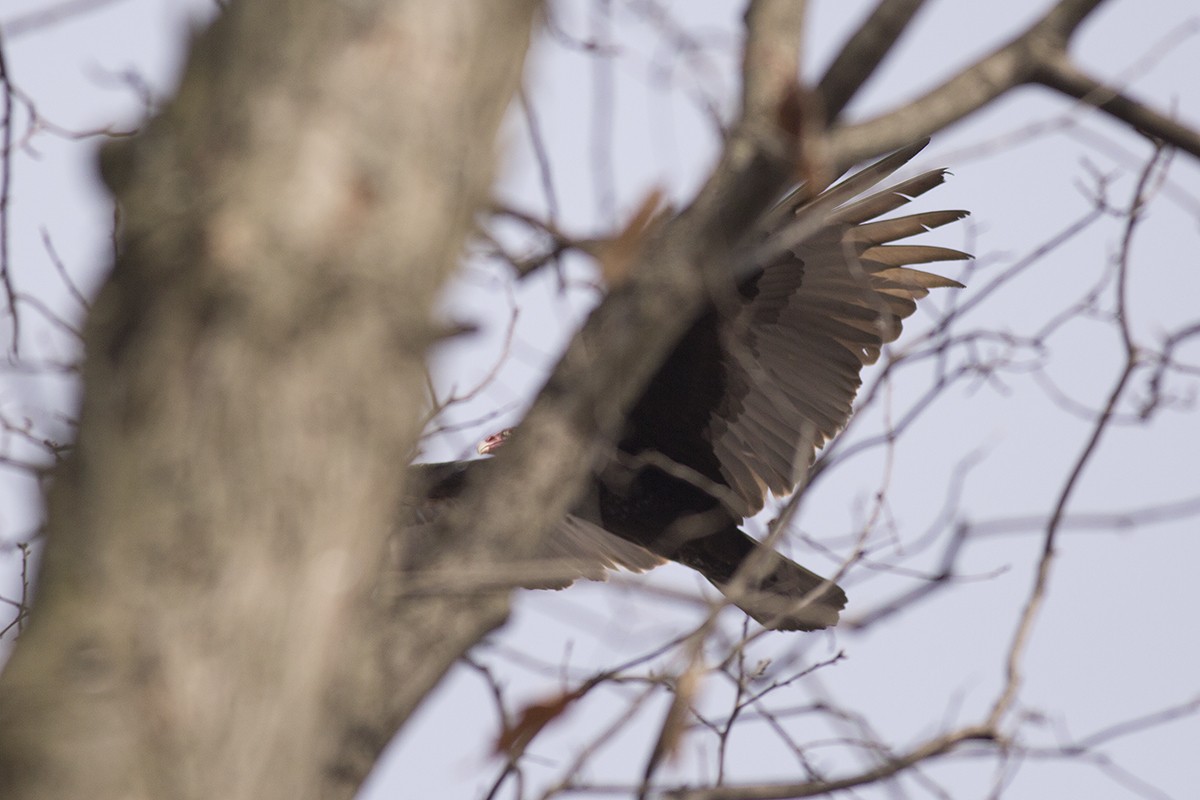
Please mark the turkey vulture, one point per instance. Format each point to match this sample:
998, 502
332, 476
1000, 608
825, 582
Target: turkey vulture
761, 380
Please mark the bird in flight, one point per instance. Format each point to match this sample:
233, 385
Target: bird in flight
760, 381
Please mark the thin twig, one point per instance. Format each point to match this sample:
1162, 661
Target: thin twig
1038, 592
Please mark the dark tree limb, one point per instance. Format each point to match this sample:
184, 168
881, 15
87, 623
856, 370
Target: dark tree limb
1038, 55
863, 53
1060, 74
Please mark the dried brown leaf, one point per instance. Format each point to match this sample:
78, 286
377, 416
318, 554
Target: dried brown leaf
513, 740
618, 254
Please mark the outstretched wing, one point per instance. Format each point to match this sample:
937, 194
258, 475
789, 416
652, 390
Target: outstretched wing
832, 291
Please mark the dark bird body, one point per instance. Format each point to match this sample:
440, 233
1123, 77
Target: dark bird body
762, 379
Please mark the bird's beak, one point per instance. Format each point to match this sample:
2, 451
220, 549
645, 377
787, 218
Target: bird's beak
488, 445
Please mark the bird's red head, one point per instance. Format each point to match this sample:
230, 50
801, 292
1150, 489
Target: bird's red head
489, 445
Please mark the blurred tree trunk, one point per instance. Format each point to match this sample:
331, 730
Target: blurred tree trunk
214, 615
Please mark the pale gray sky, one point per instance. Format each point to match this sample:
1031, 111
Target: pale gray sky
1117, 638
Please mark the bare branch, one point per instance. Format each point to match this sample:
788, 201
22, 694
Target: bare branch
1057, 72
771, 63
862, 54
45, 17
1037, 594
1011, 65
893, 766
6, 145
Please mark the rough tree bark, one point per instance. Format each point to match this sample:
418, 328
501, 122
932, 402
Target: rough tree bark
210, 611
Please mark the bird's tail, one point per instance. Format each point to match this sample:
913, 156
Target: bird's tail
771, 588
